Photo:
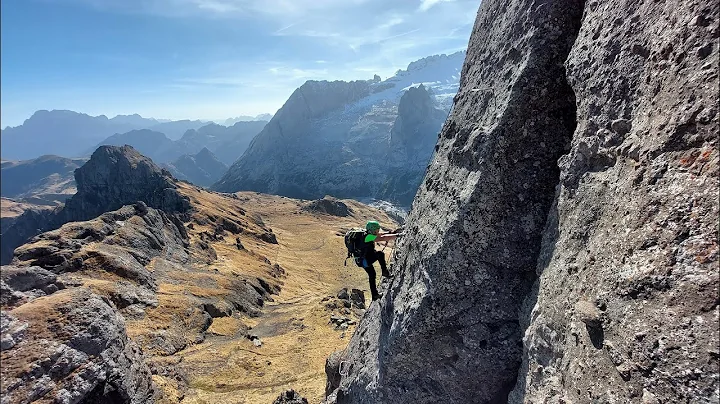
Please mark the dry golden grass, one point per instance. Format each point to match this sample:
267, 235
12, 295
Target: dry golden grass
44, 323
294, 329
10, 208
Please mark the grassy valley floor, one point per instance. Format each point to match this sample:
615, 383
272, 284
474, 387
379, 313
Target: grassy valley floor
295, 329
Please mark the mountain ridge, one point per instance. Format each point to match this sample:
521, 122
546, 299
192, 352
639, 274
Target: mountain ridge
72, 134
202, 168
69, 133
45, 179
333, 137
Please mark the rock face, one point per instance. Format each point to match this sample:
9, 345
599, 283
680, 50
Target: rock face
634, 231
202, 169
114, 176
351, 139
572, 200
67, 347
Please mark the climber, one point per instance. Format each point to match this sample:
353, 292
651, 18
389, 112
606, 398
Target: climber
369, 255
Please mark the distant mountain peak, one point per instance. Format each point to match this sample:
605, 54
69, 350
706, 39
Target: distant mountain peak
247, 118
319, 139
205, 153
203, 168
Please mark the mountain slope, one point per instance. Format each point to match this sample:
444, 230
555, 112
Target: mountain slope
155, 145
213, 299
46, 179
335, 137
202, 169
227, 143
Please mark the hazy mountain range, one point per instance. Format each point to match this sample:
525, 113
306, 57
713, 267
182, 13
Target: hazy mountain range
72, 134
226, 143
244, 118
360, 139
202, 168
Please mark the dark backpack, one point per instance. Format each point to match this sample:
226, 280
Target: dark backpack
355, 243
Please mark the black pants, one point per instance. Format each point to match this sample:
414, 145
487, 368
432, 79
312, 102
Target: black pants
370, 258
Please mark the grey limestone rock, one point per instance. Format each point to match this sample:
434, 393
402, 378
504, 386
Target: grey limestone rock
563, 244
113, 177
627, 295
447, 328
73, 349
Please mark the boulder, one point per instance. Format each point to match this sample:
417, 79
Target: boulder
290, 397
70, 347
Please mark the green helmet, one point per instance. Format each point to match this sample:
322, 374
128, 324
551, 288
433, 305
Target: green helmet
372, 225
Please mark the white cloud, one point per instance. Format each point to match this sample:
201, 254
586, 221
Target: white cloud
311, 39
183, 8
425, 5
218, 6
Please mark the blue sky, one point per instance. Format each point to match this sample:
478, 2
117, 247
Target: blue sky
207, 59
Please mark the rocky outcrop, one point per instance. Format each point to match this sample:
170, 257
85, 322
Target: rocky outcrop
21, 284
350, 139
113, 177
290, 397
68, 347
122, 242
328, 205
563, 244
412, 143
202, 169
116, 176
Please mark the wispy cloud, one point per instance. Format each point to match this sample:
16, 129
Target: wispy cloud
285, 28
247, 56
182, 8
427, 4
